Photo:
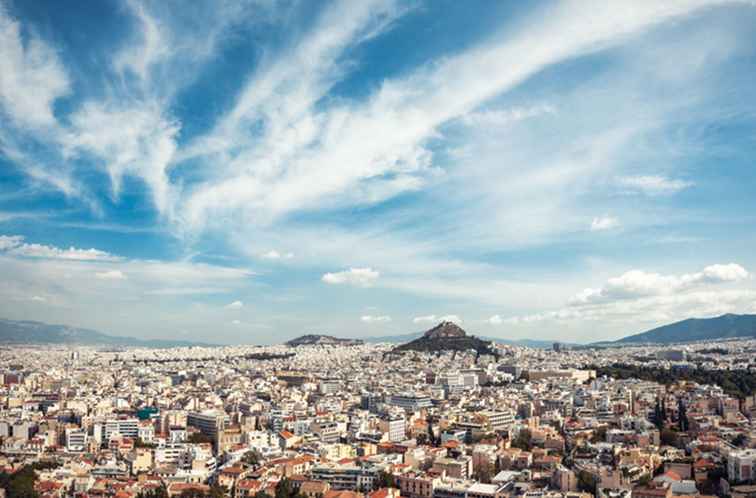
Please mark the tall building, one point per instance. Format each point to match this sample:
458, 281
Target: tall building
209, 423
395, 427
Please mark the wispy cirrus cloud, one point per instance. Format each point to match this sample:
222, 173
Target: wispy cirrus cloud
441, 171
32, 77
329, 152
653, 184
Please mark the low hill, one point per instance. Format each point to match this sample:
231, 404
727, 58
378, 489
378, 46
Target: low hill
322, 340
31, 332
446, 336
698, 329
525, 343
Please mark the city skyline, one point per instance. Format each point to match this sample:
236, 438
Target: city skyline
254, 171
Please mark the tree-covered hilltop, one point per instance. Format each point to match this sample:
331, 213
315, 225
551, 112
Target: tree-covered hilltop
446, 336
736, 383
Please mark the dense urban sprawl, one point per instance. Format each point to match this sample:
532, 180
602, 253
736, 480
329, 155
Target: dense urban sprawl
352, 421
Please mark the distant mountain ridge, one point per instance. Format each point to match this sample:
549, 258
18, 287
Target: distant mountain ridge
446, 336
726, 326
31, 332
322, 340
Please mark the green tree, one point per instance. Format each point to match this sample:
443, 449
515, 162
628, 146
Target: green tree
198, 438
668, 437
252, 458
422, 439
523, 440
682, 417
385, 480
586, 482
740, 440
160, 492
599, 435
20, 484
485, 473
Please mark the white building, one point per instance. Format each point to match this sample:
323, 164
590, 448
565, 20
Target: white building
76, 439
740, 465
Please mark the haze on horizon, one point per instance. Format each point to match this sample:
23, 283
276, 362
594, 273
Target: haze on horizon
249, 171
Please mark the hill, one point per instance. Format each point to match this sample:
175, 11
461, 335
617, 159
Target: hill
526, 343
322, 340
698, 329
446, 336
31, 332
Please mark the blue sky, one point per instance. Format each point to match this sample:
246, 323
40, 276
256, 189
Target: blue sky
245, 172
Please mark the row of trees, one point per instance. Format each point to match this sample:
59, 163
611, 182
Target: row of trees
736, 383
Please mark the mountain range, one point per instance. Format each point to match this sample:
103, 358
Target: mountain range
30, 332
698, 329
693, 329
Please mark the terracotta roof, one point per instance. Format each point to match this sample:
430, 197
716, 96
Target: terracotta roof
672, 475
342, 494
248, 484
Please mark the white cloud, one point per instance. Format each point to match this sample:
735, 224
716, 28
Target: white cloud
494, 119
375, 319
265, 172
363, 277
642, 296
731, 272
129, 137
433, 318
273, 254
39, 299
653, 184
51, 252
236, 305
187, 291
602, 223
236, 322
10, 241
150, 48
495, 320
31, 76
111, 275
314, 156
638, 283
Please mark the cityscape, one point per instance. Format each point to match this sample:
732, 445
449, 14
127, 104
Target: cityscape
378, 249
427, 419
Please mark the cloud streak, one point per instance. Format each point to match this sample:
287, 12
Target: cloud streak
362, 277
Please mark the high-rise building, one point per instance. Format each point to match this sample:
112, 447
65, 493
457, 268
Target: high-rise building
209, 423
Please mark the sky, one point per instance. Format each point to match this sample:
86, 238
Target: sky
250, 171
